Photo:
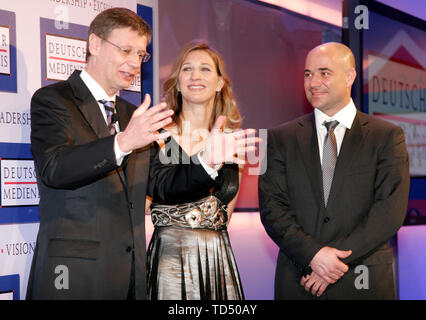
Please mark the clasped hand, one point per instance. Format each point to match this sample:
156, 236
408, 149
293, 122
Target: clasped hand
327, 268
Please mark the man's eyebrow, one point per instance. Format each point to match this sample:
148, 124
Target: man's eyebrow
320, 69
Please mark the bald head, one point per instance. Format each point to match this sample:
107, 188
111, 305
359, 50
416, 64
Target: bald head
338, 52
329, 75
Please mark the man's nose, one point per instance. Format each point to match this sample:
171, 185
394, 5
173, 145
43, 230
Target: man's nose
315, 81
134, 60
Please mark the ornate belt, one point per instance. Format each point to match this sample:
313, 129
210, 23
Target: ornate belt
207, 213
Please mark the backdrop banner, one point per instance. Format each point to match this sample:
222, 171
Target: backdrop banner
41, 42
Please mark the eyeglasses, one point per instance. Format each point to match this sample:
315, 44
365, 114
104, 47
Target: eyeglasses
143, 56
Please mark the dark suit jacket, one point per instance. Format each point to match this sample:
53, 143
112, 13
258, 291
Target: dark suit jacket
366, 207
92, 212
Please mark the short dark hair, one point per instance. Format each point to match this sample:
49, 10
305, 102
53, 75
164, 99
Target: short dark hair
114, 18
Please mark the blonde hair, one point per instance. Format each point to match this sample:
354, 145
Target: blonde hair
224, 103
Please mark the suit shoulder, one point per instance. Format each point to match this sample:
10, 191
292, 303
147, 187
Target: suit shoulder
290, 126
378, 124
126, 103
55, 89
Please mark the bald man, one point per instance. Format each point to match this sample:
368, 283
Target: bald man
335, 190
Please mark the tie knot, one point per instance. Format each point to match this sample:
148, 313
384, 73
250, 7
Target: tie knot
330, 125
109, 106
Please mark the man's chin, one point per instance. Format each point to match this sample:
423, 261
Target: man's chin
125, 84
317, 105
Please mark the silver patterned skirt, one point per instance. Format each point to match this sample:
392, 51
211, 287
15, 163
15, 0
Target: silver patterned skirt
190, 255
207, 213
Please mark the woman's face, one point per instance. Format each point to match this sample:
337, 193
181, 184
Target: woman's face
198, 80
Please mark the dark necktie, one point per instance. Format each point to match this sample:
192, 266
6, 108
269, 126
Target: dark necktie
110, 113
329, 158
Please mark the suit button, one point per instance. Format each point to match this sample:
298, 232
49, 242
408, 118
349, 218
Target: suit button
129, 249
131, 205
326, 219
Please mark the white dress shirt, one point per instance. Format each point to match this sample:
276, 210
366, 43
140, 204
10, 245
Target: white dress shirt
345, 117
99, 94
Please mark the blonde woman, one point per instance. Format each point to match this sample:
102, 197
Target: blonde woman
190, 255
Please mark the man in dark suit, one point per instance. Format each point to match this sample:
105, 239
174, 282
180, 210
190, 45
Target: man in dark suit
92, 153
335, 190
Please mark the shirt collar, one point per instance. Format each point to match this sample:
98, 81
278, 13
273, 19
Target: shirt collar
95, 89
345, 116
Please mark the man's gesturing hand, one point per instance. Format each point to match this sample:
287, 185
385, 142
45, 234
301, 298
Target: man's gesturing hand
228, 147
326, 263
143, 126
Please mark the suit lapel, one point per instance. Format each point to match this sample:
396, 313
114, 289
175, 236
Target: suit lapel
349, 152
90, 109
88, 105
122, 111
126, 167
308, 144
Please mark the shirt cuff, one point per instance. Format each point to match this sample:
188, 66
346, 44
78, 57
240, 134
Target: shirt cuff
119, 155
212, 172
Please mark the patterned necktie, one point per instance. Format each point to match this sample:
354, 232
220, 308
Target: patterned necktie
111, 119
329, 158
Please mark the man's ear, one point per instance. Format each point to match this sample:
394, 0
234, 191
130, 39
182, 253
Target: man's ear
350, 77
94, 44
